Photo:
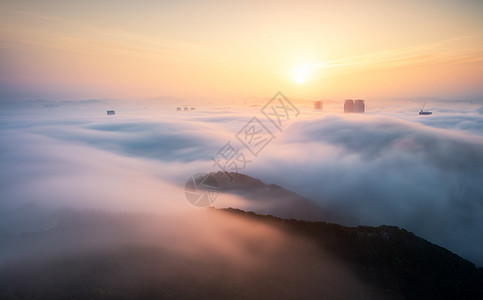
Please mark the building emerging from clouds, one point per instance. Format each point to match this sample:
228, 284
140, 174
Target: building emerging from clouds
318, 105
349, 106
357, 106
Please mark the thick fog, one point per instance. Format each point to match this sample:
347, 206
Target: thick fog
387, 166
382, 170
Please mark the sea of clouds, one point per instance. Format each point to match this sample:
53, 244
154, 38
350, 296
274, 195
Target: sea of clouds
387, 166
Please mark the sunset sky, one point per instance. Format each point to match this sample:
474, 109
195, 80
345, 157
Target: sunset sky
64, 50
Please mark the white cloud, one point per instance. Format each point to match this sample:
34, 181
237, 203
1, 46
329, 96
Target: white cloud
421, 174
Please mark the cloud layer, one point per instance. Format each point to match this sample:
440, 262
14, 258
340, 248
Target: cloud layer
423, 174
382, 170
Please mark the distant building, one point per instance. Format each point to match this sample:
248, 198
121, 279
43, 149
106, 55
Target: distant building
111, 112
357, 106
186, 108
178, 108
192, 108
318, 105
349, 106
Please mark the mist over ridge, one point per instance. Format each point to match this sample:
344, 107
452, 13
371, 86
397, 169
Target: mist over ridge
377, 168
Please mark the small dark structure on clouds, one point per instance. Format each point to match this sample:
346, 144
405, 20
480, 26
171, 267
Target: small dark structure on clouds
424, 113
111, 112
186, 108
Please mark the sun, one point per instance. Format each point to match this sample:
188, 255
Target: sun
299, 77
301, 74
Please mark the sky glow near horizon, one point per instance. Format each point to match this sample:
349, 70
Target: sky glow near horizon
214, 50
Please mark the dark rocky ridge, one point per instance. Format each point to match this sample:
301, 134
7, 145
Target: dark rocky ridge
390, 258
273, 199
318, 262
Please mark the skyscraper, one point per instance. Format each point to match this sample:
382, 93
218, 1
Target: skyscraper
349, 106
359, 106
318, 105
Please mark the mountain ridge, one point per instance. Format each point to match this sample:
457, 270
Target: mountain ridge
390, 257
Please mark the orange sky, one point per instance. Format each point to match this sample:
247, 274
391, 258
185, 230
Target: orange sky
218, 50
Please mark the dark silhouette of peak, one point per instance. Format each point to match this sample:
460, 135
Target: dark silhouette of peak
272, 199
241, 255
390, 258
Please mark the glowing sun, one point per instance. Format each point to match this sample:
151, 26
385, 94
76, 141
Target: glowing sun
301, 74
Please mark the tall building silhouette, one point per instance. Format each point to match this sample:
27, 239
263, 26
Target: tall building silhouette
357, 106
349, 106
318, 105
